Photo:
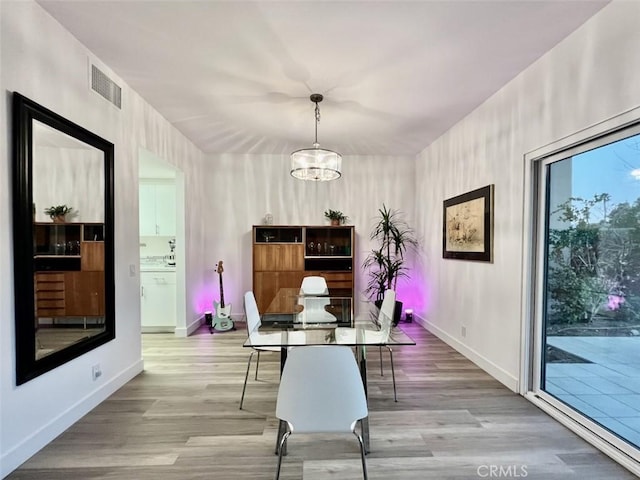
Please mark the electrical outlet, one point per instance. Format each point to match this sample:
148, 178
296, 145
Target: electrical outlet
463, 331
132, 270
96, 371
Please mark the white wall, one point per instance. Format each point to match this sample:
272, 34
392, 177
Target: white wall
246, 187
69, 176
47, 64
591, 76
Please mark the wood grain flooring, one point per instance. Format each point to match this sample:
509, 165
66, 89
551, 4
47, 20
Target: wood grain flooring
179, 420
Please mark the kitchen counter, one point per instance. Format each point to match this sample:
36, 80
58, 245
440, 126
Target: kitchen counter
157, 268
155, 263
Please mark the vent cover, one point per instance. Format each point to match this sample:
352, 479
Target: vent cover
106, 87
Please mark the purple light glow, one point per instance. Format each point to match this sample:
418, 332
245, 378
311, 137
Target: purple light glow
415, 293
614, 302
203, 300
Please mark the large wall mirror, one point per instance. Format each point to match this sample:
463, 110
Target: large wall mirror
63, 264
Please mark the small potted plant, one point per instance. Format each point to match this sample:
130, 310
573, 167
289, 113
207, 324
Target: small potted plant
57, 213
336, 217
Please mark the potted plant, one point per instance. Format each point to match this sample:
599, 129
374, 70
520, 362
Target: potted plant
57, 213
335, 216
386, 264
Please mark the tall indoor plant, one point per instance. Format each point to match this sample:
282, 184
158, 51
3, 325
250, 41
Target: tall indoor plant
386, 263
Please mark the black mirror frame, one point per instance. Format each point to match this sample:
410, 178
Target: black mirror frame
24, 112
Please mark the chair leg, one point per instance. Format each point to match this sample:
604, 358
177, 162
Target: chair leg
381, 372
245, 379
257, 364
362, 456
393, 373
281, 447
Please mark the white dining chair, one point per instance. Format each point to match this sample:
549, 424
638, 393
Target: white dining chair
324, 400
385, 320
252, 316
314, 308
314, 285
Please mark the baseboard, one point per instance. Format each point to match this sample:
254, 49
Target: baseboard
504, 377
19, 454
158, 329
190, 328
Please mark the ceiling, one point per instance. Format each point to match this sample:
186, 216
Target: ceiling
235, 76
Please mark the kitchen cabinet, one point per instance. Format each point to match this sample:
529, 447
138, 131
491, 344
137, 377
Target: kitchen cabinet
284, 255
158, 301
157, 207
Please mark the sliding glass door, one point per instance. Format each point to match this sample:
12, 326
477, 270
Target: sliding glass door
589, 295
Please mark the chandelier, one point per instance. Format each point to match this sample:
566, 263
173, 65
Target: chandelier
316, 164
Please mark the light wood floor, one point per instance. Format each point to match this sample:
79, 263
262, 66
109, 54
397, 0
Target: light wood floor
179, 420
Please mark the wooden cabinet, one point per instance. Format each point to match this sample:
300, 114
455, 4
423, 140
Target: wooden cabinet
92, 256
84, 294
69, 262
278, 257
284, 255
49, 293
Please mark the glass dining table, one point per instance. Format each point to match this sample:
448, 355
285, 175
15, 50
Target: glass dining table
295, 320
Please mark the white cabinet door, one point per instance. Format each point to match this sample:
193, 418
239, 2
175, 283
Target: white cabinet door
166, 209
157, 209
158, 299
147, 210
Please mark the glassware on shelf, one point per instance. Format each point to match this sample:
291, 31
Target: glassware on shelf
311, 247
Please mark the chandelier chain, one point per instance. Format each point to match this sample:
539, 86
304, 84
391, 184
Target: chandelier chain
317, 121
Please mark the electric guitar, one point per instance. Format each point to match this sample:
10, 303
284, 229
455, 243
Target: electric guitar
222, 321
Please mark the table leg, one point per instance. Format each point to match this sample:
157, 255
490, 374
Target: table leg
282, 425
361, 356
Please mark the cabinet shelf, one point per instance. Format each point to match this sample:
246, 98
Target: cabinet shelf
344, 264
270, 234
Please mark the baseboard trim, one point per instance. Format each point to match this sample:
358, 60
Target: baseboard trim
19, 454
504, 377
190, 328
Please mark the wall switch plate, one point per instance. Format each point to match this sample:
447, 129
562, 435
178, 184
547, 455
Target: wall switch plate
463, 331
96, 371
132, 270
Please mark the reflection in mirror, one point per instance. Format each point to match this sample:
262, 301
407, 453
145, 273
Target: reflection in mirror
69, 249
63, 264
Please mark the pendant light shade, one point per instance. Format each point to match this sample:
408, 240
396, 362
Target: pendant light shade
316, 164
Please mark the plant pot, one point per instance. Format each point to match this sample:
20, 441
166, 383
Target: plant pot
397, 313
58, 219
335, 222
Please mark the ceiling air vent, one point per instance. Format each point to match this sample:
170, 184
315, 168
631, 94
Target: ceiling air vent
106, 87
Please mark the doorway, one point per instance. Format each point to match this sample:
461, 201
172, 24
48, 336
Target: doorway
162, 240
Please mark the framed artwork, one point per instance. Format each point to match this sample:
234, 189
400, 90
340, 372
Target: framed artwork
467, 232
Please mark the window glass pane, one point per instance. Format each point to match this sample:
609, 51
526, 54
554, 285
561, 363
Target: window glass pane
591, 324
